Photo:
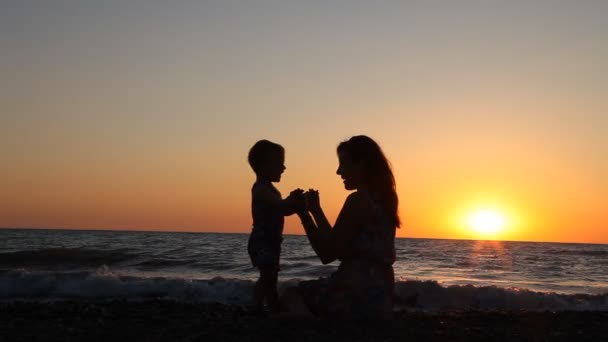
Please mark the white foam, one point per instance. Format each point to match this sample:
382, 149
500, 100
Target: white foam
23, 284
417, 295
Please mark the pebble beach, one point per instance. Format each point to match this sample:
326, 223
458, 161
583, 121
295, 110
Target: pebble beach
166, 320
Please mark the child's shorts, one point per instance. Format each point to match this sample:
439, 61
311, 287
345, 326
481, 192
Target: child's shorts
263, 254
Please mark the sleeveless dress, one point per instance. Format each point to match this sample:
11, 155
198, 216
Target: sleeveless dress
264, 246
362, 287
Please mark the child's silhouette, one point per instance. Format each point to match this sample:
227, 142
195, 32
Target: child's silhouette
268, 210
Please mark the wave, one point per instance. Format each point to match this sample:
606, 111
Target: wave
164, 262
430, 295
410, 294
62, 258
65, 256
105, 284
591, 253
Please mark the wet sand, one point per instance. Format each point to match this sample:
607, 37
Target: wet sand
162, 320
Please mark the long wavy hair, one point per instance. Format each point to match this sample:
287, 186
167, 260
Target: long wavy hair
377, 172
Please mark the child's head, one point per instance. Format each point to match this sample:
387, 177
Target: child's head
267, 160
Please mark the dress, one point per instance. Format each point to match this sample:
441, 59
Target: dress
362, 287
264, 246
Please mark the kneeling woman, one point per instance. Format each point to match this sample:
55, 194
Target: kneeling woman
363, 237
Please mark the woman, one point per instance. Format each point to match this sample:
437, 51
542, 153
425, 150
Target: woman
363, 237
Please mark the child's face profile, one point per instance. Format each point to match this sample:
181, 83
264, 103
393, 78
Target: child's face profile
275, 167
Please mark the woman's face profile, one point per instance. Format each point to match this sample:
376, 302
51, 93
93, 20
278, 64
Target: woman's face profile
349, 171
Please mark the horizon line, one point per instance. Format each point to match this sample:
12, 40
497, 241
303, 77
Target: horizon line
130, 230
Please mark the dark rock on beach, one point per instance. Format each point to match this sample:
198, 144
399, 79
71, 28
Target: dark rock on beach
163, 320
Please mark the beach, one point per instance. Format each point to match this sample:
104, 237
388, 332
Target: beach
167, 320
169, 165
153, 286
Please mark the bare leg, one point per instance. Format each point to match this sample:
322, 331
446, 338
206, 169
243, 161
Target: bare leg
270, 277
258, 293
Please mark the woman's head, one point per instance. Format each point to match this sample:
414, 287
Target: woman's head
363, 165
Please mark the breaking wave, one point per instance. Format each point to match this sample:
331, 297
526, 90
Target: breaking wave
411, 294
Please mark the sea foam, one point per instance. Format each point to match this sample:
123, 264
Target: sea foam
410, 294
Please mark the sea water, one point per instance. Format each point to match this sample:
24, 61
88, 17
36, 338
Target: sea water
430, 274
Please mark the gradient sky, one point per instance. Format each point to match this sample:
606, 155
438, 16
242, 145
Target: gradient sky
139, 114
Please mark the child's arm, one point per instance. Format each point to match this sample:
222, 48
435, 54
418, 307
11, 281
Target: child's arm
287, 206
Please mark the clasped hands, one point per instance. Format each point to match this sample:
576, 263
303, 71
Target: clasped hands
305, 200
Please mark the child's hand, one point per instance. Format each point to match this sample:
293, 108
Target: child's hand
297, 192
312, 199
298, 200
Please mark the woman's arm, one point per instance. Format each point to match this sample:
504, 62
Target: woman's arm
313, 201
331, 243
317, 238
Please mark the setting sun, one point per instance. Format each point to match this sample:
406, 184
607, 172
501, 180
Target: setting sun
486, 221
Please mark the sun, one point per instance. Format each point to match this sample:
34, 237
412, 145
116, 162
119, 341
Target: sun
486, 221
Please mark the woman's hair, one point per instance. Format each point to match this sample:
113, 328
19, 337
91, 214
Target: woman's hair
261, 152
377, 173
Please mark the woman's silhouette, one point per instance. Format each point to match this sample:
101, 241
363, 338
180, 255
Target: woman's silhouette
363, 237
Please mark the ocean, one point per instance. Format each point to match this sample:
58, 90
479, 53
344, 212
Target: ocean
431, 275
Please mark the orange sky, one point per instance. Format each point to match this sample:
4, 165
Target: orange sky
140, 116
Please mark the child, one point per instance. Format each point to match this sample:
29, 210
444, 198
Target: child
268, 210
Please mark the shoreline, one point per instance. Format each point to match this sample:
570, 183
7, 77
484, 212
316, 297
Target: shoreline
163, 320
